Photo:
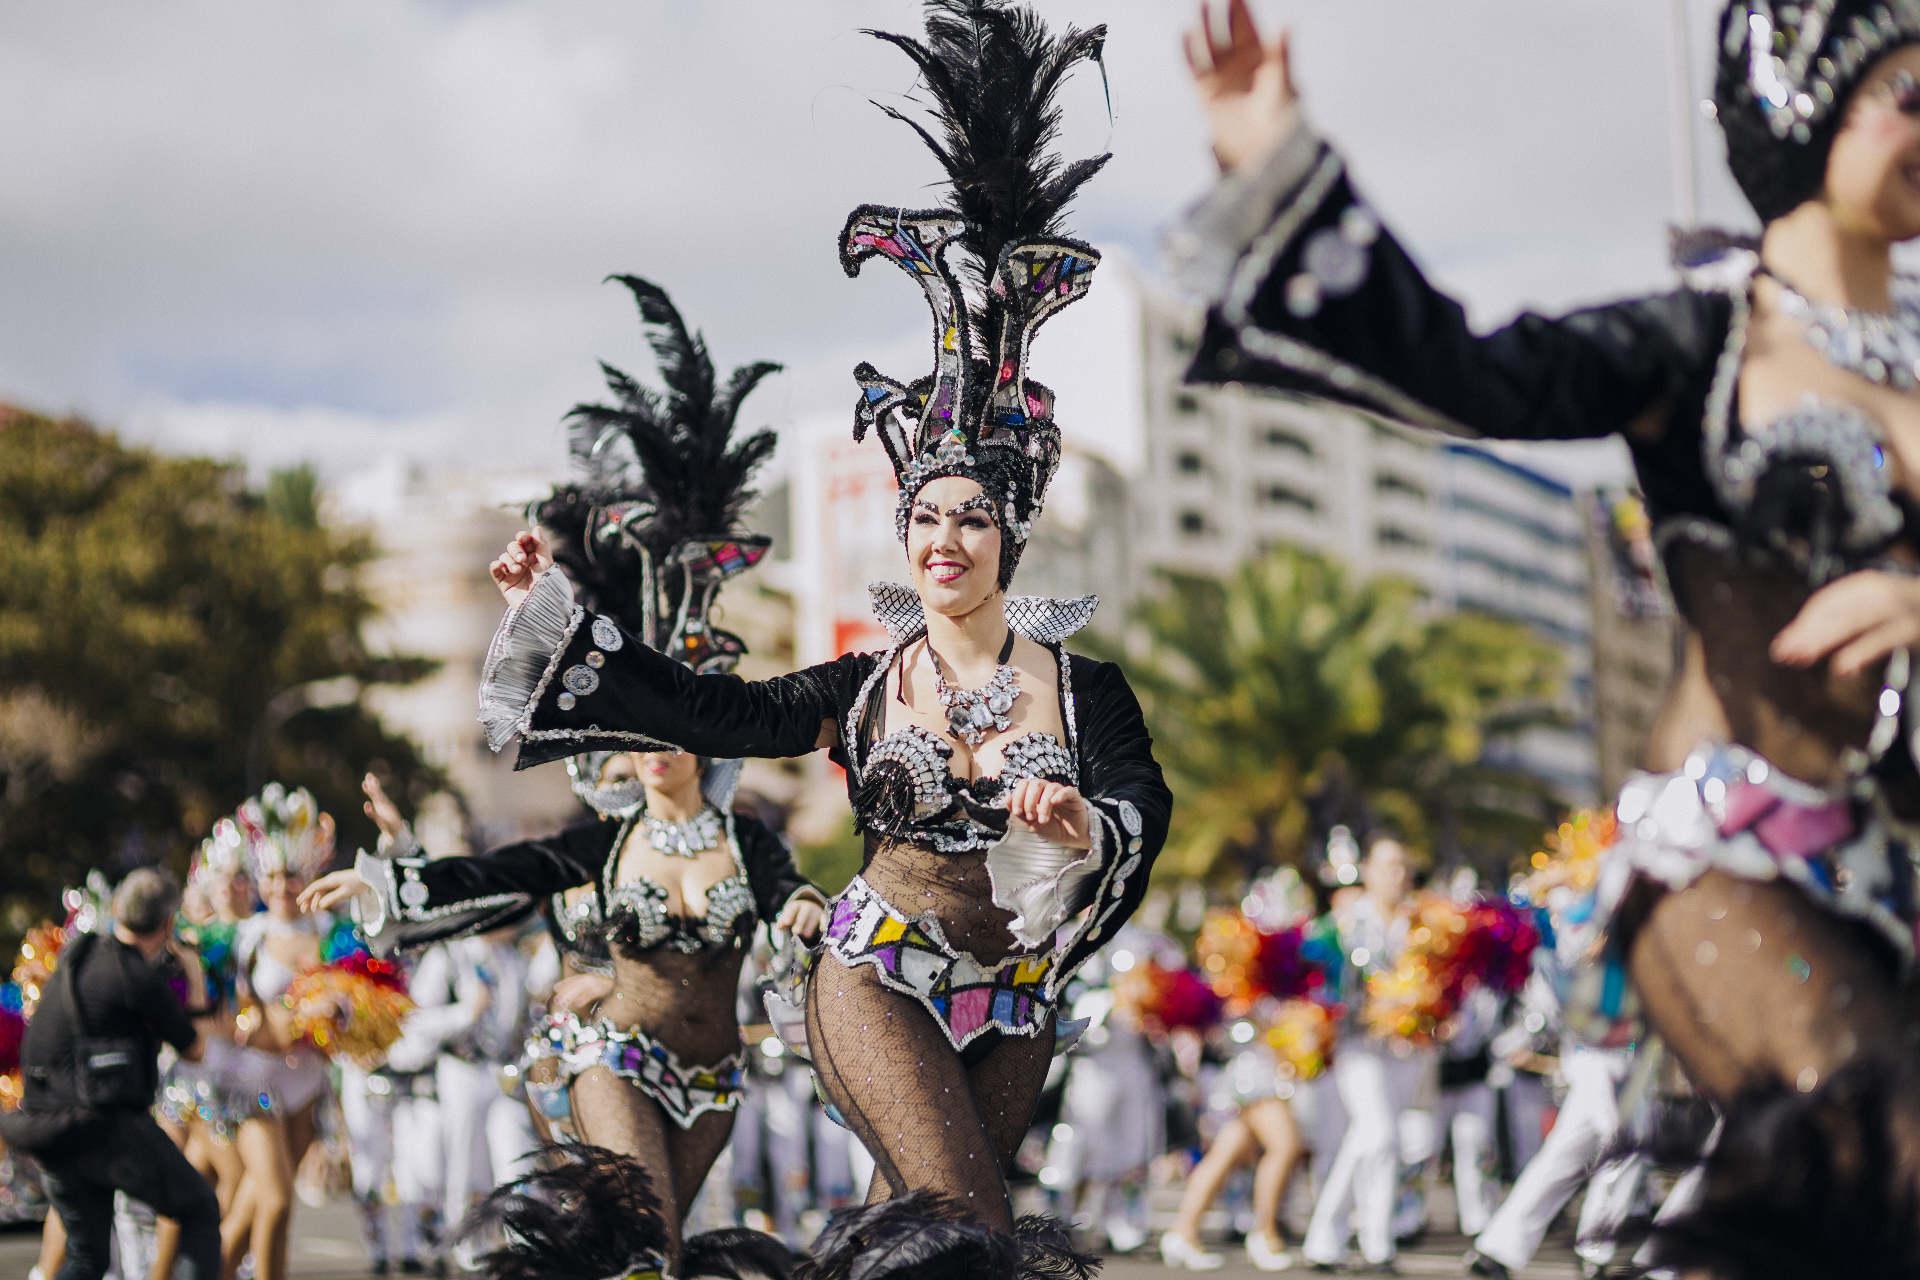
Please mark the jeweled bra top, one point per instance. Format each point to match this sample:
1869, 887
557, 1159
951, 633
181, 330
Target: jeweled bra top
1813, 487
638, 919
905, 788
582, 930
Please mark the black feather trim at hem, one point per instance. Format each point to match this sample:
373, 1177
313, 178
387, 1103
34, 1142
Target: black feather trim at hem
587, 1214
1804, 1185
926, 1236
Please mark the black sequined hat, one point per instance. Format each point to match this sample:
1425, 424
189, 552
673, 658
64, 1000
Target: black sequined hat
991, 71
1786, 69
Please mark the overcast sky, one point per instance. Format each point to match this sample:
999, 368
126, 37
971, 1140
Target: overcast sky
286, 230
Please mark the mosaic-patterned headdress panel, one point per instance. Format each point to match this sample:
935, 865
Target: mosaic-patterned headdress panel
649, 527
991, 72
1786, 69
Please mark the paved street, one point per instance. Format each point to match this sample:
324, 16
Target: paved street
326, 1246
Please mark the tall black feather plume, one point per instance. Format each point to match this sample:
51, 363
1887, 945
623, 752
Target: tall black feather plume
682, 436
590, 1214
665, 458
993, 73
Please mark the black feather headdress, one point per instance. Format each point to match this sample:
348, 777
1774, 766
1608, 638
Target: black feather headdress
649, 527
992, 74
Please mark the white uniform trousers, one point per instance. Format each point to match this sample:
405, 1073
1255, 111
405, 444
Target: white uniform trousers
1357, 1195
1588, 1120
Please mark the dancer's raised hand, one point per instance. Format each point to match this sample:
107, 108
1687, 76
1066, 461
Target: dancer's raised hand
1855, 621
381, 808
526, 558
1246, 87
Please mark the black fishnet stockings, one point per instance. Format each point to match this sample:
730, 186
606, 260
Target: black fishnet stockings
612, 1112
932, 1120
1750, 983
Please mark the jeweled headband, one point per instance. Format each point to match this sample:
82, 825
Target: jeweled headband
1785, 72
992, 71
648, 529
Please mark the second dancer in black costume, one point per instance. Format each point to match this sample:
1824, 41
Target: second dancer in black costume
678, 878
1006, 787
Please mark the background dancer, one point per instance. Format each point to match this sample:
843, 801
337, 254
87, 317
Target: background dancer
682, 879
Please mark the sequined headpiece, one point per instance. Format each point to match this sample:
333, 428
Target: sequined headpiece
1786, 70
276, 831
220, 856
648, 528
992, 71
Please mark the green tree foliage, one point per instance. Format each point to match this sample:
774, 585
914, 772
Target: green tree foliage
161, 635
1291, 695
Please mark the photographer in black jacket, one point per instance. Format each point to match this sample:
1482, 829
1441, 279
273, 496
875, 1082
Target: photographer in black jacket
90, 1068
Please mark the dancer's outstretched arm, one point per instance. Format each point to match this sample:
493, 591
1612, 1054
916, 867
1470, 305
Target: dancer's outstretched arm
561, 681
1309, 292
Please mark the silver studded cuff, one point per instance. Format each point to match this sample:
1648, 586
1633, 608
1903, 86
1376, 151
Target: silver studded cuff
1215, 234
523, 655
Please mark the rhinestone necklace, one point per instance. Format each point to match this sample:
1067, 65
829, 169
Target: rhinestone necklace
686, 839
1882, 347
972, 712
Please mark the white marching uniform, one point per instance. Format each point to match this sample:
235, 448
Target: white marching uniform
487, 1133
1376, 1080
393, 1117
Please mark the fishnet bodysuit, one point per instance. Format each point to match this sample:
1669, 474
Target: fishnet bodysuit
687, 1003
934, 1118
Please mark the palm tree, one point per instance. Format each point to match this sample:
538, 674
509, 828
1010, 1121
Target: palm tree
1290, 696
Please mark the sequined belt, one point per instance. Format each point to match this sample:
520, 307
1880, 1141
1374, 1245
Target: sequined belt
1728, 809
912, 956
684, 1092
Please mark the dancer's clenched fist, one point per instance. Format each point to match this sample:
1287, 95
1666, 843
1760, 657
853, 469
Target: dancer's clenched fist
525, 559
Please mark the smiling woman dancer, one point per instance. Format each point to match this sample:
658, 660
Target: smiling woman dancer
1006, 788
649, 1052
1761, 895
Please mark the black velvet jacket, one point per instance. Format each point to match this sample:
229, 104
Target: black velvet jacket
597, 688
1311, 294
424, 900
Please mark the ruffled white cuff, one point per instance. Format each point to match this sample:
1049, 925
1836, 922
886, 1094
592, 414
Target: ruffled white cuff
523, 655
371, 911
1042, 883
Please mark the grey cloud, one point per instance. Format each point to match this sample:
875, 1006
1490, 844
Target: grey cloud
359, 222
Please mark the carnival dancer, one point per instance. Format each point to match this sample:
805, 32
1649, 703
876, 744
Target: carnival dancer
287, 841
1374, 1077
680, 879
393, 1119
1113, 1105
202, 1104
1275, 1044
1762, 895
1004, 786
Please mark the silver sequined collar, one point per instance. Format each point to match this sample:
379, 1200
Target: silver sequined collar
1043, 618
